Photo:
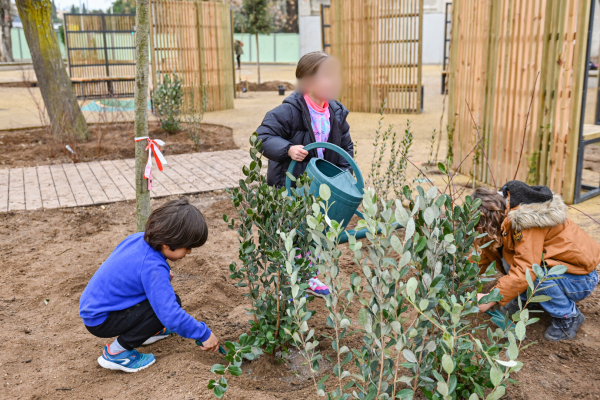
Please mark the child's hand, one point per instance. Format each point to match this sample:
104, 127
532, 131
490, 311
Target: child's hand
170, 275
486, 306
211, 344
297, 153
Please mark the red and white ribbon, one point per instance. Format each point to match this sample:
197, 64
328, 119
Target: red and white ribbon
153, 147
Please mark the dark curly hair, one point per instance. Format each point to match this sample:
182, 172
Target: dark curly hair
492, 210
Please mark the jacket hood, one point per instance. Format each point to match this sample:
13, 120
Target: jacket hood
539, 215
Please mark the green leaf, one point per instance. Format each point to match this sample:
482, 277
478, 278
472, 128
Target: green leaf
235, 371
520, 330
404, 259
473, 396
529, 280
557, 270
218, 369
510, 363
540, 299
539, 272
442, 388
411, 287
496, 375
447, 363
324, 192
496, 394
211, 384
409, 356
442, 169
405, 394
428, 215
363, 316
219, 391
410, 229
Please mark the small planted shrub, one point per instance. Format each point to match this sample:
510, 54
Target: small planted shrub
417, 296
168, 102
264, 215
194, 116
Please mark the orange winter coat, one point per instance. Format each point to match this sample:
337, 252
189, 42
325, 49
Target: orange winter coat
531, 230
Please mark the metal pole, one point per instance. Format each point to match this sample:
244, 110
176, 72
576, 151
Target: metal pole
581, 149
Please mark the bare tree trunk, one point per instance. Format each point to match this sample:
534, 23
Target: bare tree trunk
142, 195
53, 81
257, 59
6, 54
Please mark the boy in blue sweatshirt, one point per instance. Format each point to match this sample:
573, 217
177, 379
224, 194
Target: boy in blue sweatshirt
131, 297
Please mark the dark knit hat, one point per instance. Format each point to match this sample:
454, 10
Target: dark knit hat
522, 193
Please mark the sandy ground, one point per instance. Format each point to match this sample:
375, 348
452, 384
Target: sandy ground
48, 354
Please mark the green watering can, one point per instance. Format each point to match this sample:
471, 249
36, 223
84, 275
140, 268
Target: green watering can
346, 192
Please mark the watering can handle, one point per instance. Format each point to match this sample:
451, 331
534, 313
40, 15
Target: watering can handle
337, 149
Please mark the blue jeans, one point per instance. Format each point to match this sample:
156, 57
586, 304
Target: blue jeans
567, 290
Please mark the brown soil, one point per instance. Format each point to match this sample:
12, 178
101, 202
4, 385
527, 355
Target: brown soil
45, 347
270, 86
18, 84
31, 147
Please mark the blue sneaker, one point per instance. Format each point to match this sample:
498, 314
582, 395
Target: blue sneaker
163, 334
128, 360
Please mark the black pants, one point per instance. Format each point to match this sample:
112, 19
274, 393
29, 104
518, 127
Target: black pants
239, 60
133, 326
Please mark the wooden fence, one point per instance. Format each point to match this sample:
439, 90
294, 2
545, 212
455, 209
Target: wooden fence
498, 50
194, 40
101, 54
379, 44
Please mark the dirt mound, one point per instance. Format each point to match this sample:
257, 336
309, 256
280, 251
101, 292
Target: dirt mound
270, 86
31, 147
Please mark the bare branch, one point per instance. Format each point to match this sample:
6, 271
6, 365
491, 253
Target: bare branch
526, 126
482, 149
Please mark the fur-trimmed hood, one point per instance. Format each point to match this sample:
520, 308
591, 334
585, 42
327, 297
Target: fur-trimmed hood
539, 215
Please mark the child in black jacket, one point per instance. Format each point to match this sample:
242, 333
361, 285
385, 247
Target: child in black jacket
308, 115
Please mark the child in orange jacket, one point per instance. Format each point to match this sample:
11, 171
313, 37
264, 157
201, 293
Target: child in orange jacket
527, 223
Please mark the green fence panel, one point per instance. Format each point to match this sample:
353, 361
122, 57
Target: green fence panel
276, 47
21, 49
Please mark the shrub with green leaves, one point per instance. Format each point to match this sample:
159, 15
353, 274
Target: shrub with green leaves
264, 214
168, 102
418, 304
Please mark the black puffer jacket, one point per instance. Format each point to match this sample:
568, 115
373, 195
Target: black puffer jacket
289, 125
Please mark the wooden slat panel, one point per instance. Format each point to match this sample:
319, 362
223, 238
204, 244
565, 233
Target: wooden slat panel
80, 192
498, 49
47, 187
111, 191
4, 177
380, 47
194, 40
216, 170
63, 189
16, 190
181, 167
116, 175
33, 196
199, 169
92, 184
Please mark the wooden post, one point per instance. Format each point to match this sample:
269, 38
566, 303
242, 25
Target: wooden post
142, 194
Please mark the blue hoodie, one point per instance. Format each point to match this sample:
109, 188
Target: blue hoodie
132, 273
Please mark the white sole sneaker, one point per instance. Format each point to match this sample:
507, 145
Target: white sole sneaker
104, 363
154, 339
